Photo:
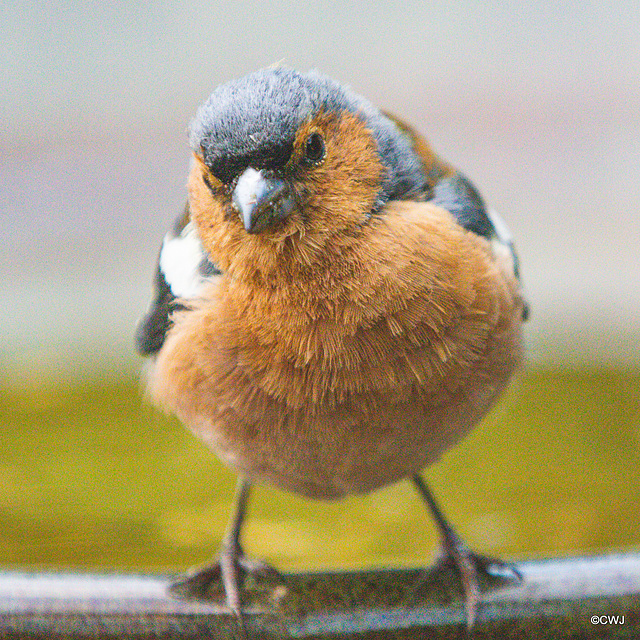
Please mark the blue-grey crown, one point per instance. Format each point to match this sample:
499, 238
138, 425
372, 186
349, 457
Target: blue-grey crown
254, 120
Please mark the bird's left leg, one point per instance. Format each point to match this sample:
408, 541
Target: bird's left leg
469, 565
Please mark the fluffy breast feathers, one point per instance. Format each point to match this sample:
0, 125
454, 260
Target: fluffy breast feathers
411, 322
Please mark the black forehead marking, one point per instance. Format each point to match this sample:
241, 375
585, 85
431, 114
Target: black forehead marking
226, 167
254, 120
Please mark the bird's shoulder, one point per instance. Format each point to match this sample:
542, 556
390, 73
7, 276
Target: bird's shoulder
450, 189
182, 269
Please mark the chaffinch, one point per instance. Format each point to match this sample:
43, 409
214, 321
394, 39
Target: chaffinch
335, 307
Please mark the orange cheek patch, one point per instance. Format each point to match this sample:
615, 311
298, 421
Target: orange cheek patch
342, 189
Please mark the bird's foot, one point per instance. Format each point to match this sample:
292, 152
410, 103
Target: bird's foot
225, 577
474, 570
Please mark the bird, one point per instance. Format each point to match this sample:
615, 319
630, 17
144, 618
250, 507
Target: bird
335, 307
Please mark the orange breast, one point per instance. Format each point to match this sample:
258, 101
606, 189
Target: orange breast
354, 370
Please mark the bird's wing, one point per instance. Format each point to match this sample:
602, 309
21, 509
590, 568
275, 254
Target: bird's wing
451, 190
183, 268
456, 194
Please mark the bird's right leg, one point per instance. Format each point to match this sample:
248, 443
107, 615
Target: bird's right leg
231, 567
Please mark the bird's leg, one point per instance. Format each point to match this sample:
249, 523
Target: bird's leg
469, 565
231, 553
231, 567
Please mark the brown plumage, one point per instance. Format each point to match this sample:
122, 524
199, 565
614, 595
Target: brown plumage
346, 345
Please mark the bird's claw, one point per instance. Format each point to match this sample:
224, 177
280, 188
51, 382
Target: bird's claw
196, 584
474, 569
227, 575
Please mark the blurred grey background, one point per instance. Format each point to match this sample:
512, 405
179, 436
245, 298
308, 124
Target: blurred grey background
539, 103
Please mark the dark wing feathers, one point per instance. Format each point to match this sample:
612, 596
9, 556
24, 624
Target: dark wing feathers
170, 288
458, 196
153, 326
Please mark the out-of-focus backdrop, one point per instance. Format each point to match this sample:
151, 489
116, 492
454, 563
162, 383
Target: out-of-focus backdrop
538, 103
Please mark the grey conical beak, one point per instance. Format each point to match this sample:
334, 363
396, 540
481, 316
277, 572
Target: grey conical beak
260, 200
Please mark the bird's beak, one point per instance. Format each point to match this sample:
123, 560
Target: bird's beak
260, 200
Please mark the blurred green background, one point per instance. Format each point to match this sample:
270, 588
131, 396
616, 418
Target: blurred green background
539, 104
92, 480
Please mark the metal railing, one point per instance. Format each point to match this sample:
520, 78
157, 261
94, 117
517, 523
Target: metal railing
584, 597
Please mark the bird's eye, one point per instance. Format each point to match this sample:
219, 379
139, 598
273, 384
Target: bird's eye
314, 149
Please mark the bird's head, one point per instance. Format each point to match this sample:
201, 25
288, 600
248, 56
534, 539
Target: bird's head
280, 154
